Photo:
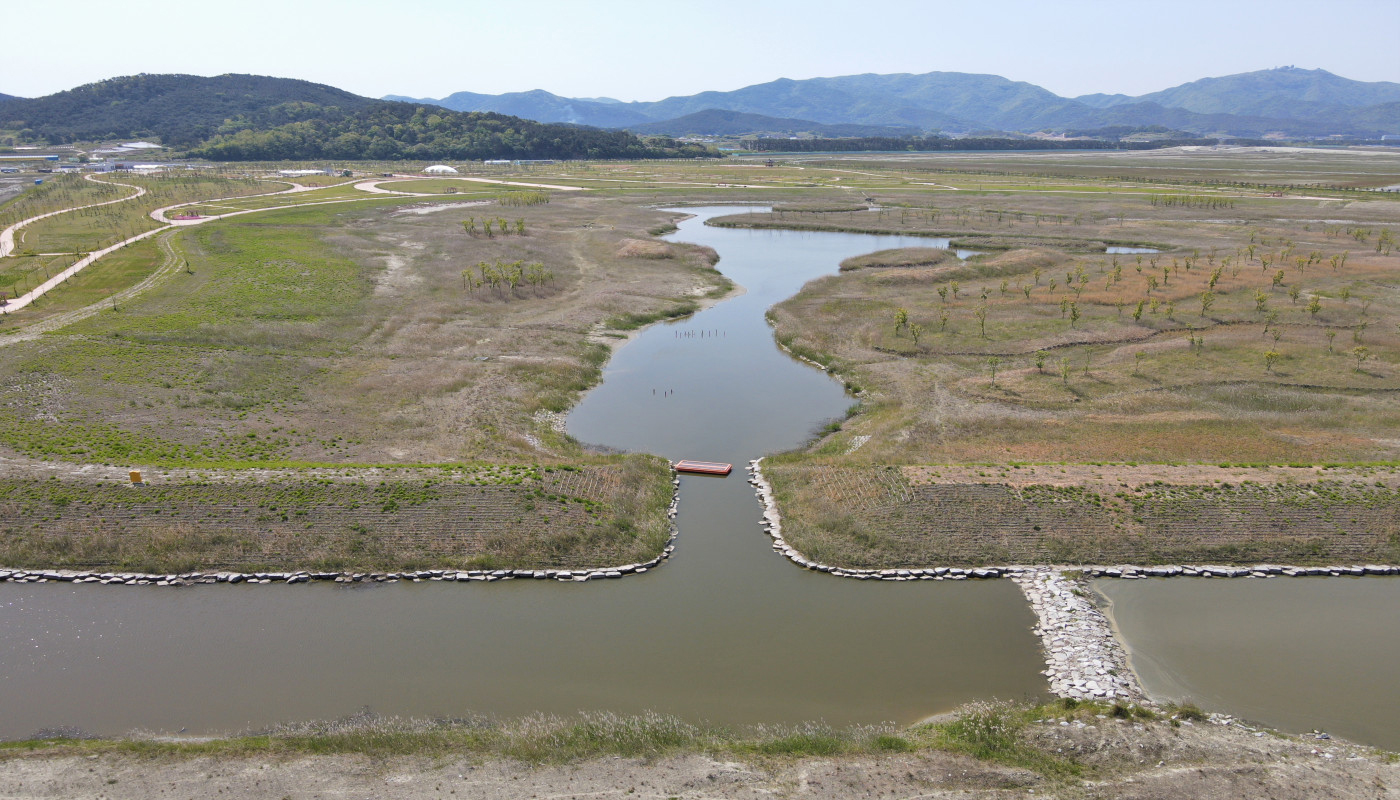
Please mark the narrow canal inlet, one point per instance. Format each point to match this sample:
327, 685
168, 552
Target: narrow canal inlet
727, 631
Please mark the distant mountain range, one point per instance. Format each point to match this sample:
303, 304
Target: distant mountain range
1287, 100
252, 117
4, 97
713, 122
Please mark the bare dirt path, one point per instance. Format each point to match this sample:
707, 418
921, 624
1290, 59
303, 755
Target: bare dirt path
374, 188
1152, 762
373, 185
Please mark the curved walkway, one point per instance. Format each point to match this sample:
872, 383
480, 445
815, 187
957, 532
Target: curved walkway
168, 267
373, 185
78, 266
159, 215
7, 236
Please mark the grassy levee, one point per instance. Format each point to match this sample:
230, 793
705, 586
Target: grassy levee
876, 222
458, 517
887, 516
99, 282
1267, 331
1066, 749
440, 186
1020, 736
900, 257
346, 334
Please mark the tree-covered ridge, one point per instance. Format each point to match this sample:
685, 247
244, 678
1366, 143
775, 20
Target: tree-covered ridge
179, 110
392, 130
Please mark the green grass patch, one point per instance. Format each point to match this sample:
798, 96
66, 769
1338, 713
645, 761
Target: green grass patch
633, 320
996, 732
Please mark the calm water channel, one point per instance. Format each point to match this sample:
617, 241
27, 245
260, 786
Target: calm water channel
1296, 653
727, 631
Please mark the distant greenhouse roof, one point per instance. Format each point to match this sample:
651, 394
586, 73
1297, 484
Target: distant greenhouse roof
441, 169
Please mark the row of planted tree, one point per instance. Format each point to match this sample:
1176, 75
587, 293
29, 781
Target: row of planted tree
504, 277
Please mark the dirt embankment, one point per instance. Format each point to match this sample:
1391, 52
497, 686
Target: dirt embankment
885, 517
340, 520
1120, 759
899, 257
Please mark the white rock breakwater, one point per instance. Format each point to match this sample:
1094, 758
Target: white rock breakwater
1082, 655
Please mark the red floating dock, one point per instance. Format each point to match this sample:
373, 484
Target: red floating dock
703, 467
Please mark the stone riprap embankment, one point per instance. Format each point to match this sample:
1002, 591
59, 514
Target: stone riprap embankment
1083, 657
1252, 571
773, 524
193, 578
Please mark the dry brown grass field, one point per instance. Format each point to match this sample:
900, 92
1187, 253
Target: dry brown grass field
1266, 330
346, 334
455, 329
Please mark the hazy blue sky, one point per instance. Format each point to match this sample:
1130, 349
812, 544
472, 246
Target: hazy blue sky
649, 49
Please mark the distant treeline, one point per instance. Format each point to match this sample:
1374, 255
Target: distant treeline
388, 131
889, 143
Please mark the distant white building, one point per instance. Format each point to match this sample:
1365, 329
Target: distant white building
301, 173
440, 169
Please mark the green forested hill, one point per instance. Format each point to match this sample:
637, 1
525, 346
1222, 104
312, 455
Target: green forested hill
179, 110
388, 130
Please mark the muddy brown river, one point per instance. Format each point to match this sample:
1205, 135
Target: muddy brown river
1299, 654
727, 631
